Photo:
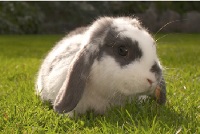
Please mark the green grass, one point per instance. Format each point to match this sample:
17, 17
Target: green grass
22, 112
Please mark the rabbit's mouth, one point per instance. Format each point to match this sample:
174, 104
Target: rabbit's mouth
150, 89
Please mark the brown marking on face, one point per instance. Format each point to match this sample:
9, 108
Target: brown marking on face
157, 93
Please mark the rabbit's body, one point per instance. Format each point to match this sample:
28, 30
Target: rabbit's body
105, 64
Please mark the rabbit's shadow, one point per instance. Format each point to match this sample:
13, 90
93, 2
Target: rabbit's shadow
135, 114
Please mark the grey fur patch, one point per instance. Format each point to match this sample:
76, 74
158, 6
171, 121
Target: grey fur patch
102, 26
111, 44
157, 70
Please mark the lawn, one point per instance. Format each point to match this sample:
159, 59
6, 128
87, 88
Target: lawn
23, 112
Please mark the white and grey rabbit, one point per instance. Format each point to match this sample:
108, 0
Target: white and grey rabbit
101, 65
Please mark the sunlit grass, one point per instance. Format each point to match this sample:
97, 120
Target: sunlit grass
22, 112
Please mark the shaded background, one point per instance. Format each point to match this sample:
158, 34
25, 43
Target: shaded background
61, 17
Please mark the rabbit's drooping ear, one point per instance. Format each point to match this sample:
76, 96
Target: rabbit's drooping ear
73, 87
78, 72
161, 92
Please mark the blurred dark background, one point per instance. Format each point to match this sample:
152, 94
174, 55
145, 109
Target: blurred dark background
61, 17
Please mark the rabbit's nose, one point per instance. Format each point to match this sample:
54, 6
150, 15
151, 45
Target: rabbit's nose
150, 81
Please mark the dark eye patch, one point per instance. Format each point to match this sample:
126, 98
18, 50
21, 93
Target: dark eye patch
130, 51
123, 49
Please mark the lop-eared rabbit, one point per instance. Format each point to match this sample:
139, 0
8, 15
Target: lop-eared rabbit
104, 64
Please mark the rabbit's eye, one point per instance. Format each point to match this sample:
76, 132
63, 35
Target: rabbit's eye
122, 50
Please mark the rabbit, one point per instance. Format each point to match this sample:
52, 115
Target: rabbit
100, 66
